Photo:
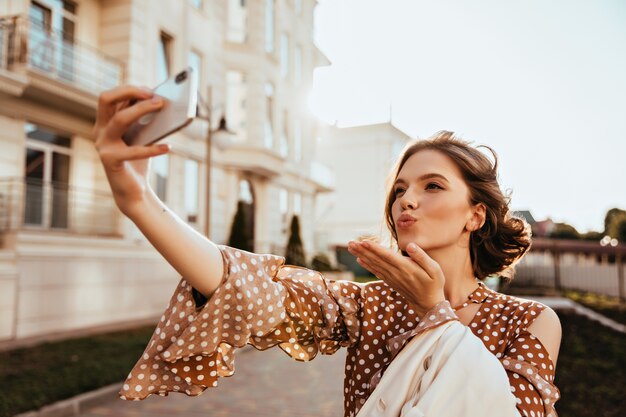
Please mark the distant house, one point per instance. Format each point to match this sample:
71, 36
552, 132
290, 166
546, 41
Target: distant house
362, 158
540, 228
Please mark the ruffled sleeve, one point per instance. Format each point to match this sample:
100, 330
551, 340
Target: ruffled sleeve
261, 302
531, 373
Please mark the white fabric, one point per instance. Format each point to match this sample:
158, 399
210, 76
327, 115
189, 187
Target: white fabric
445, 371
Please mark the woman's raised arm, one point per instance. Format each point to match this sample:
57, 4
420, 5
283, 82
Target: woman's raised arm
194, 256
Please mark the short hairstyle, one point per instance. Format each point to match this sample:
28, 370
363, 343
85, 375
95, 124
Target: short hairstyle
503, 239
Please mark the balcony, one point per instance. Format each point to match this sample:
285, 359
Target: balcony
258, 161
31, 204
36, 61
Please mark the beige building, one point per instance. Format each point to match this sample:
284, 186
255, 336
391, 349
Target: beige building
68, 259
361, 157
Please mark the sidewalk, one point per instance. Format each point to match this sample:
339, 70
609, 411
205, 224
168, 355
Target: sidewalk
267, 383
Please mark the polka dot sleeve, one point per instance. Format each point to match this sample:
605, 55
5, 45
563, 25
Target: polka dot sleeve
260, 302
531, 376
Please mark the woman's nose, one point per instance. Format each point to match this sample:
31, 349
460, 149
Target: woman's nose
407, 203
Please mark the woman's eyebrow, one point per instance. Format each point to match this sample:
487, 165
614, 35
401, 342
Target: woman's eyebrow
424, 177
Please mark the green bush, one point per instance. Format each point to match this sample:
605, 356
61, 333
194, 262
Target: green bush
33, 377
295, 251
321, 262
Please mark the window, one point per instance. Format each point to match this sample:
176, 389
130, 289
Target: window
237, 21
46, 177
297, 204
269, 26
283, 199
297, 4
51, 37
164, 54
297, 65
195, 62
196, 3
284, 55
284, 136
297, 141
160, 168
236, 103
269, 116
191, 190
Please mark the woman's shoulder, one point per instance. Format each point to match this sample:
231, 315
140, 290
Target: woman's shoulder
516, 310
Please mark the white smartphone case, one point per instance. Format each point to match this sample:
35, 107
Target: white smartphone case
180, 93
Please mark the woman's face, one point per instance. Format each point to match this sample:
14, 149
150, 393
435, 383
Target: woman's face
430, 188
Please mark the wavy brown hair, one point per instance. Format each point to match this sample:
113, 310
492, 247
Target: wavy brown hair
503, 239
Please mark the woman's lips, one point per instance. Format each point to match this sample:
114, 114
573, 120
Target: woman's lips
404, 224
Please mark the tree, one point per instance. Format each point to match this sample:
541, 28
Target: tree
621, 230
592, 235
564, 231
295, 252
240, 231
611, 220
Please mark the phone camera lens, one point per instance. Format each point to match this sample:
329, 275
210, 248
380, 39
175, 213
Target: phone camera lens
181, 77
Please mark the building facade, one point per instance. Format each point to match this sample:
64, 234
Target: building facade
362, 158
68, 258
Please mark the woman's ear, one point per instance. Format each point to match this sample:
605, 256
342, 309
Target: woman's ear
479, 215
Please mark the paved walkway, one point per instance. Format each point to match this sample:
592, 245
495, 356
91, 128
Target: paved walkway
267, 383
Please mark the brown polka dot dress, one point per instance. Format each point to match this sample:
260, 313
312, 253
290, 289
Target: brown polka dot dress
264, 303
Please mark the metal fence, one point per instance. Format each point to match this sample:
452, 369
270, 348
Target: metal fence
28, 204
27, 45
577, 265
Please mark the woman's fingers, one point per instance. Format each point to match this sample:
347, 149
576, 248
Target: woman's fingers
109, 99
417, 254
378, 273
122, 119
377, 255
115, 156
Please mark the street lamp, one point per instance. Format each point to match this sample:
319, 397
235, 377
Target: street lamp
222, 138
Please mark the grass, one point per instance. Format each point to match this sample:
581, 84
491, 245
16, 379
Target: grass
603, 304
365, 278
33, 377
591, 370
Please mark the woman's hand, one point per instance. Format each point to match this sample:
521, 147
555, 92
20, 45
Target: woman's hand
419, 279
126, 166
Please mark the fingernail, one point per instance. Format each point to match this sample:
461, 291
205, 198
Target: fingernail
164, 146
365, 244
157, 100
411, 247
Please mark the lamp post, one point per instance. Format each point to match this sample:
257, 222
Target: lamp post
222, 137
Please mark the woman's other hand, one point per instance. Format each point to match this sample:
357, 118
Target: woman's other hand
420, 279
126, 166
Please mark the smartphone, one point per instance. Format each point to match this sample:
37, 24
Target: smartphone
180, 95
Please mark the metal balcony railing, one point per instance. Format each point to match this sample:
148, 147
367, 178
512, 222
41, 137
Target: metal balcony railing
27, 45
31, 204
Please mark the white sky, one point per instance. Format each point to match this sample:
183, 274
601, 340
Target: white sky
541, 82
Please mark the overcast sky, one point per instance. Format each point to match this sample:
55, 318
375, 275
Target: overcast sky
542, 82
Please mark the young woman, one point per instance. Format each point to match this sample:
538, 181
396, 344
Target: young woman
452, 227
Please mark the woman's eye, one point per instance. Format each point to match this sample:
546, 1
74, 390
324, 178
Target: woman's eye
434, 184
397, 190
